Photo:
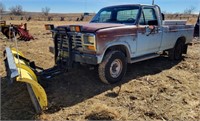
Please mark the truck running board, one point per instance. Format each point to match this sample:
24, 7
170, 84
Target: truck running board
144, 57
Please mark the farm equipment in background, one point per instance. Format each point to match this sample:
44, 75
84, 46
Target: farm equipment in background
21, 30
197, 27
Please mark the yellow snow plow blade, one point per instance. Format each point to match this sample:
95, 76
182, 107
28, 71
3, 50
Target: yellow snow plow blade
18, 69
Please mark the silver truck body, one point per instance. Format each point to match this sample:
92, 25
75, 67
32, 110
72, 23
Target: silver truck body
118, 35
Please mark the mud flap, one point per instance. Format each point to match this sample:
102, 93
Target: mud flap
19, 70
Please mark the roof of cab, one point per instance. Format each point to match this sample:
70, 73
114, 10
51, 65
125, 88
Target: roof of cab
140, 5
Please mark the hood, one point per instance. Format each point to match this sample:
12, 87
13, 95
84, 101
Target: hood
93, 27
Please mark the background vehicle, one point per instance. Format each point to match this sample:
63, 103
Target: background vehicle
196, 28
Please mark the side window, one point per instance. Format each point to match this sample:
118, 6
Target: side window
105, 15
148, 17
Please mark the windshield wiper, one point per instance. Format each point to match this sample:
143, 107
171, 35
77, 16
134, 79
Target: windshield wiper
94, 21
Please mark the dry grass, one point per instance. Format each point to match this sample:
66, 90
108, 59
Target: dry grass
156, 89
101, 112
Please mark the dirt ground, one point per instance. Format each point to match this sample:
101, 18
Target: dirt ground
156, 89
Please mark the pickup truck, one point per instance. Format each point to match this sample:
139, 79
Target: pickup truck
118, 35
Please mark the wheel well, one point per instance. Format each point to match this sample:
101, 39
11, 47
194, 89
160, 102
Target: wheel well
182, 39
121, 48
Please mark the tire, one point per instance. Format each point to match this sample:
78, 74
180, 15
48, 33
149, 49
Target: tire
176, 52
34, 100
113, 67
185, 48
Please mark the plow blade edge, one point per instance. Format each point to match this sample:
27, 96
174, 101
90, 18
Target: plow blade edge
19, 70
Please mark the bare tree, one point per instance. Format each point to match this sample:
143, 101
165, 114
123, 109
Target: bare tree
46, 11
16, 10
2, 7
189, 10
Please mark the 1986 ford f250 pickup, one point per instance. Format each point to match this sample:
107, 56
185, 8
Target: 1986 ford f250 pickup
118, 35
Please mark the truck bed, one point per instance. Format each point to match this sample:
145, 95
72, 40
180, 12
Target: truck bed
174, 22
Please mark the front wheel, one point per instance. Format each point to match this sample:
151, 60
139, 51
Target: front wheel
113, 67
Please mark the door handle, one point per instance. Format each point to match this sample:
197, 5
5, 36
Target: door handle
150, 29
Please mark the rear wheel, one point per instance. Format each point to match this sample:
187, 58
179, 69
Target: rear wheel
113, 67
176, 52
185, 48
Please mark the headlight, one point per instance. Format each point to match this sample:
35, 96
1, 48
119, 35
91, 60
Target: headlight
89, 42
88, 39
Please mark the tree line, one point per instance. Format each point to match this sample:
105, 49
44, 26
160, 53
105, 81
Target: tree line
18, 10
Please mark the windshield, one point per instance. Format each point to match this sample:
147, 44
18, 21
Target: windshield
119, 14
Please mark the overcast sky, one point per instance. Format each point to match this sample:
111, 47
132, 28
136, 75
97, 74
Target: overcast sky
77, 6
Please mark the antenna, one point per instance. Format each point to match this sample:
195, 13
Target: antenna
152, 2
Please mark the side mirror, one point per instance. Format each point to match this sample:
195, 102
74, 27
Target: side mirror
163, 16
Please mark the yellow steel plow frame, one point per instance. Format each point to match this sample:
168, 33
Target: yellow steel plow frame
19, 70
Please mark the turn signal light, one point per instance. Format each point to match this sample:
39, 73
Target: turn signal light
91, 47
75, 28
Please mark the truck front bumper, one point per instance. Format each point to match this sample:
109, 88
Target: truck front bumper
86, 58
82, 58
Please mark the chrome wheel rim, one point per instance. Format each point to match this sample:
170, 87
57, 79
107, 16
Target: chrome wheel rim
116, 68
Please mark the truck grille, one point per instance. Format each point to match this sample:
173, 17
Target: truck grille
76, 40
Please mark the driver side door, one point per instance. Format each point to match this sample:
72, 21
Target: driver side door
149, 40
